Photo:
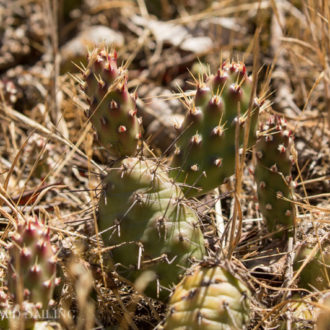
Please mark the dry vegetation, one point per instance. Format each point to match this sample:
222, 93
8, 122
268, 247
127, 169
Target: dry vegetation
51, 165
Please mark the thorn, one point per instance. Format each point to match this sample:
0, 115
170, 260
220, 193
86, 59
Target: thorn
26, 253
107, 67
38, 305
288, 213
269, 207
99, 59
132, 113
194, 168
262, 185
103, 121
233, 67
269, 138
122, 129
259, 154
35, 269
113, 105
47, 284
274, 168
177, 151
195, 111
216, 100
281, 148
101, 84
177, 127
279, 194
217, 131
196, 139
236, 89
218, 162
288, 178
26, 293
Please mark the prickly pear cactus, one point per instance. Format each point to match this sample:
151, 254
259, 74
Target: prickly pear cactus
112, 108
316, 274
31, 271
205, 150
273, 174
209, 298
144, 217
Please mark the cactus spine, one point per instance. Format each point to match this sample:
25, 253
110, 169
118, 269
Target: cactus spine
145, 218
273, 174
205, 150
209, 298
112, 108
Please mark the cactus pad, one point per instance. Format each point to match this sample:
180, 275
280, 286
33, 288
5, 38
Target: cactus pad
145, 215
316, 274
205, 150
209, 298
112, 108
273, 174
32, 265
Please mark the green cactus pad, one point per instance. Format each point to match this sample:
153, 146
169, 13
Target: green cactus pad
205, 150
32, 265
208, 299
112, 108
273, 174
145, 214
316, 274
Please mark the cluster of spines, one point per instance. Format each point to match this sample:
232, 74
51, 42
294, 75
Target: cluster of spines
31, 272
273, 174
112, 111
205, 150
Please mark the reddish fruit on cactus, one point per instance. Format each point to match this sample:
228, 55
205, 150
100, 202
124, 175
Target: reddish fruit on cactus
112, 108
205, 149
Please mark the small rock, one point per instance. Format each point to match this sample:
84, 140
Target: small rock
76, 49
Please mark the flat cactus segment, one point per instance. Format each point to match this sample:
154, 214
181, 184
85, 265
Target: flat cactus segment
316, 274
32, 264
112, 108
205, 150
145, 214
209, 298
273, 174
